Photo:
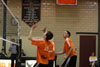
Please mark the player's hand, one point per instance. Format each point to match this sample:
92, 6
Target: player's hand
65, 57
34, 26
44, 29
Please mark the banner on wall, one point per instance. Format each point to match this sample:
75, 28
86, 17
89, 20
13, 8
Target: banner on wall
66, 2
6, 63
31, 11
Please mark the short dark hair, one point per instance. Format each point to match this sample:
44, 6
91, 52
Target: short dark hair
2, 49
68, 33
13, 40
49, 35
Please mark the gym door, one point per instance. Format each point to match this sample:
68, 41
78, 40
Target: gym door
87, 46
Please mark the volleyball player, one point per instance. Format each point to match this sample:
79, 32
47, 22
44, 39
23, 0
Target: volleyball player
51, 51
69, 49
42, 47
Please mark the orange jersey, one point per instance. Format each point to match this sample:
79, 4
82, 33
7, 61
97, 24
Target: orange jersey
67, 45
42, 55
51, 54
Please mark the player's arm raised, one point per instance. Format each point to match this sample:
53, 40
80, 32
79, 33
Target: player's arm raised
30, 34
44, 29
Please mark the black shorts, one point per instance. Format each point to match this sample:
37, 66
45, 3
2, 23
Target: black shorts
70, 62
50, 63
40, 65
